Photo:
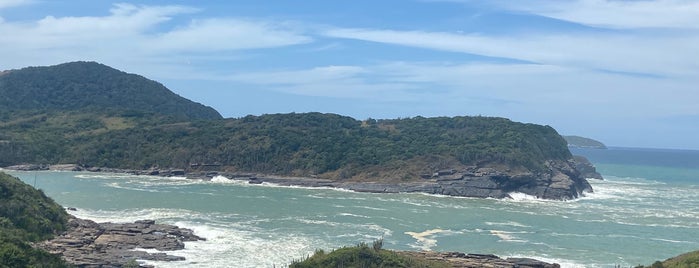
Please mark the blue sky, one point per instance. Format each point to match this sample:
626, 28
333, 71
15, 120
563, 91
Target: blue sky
623, 72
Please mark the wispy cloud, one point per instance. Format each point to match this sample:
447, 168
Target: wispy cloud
327, 81
14, 3
601, 51
617, 14
136, 33
527, 86
620, 14
227, 34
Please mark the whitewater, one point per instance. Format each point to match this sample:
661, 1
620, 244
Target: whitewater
640, 213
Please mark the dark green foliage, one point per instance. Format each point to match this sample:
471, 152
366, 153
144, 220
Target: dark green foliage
29, 210
364, 257
27, 215
90, 114
18, 253
94, 87
298, 144
687, 260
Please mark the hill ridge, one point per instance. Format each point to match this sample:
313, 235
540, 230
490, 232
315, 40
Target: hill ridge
86, 85
488, 154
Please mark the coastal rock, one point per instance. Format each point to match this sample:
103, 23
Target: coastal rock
462, 260
91, 244
66, 167
28, 167
585, 167
558, 180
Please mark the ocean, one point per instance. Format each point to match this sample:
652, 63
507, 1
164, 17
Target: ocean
646, 209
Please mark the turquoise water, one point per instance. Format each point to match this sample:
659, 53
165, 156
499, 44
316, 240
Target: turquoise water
644, 211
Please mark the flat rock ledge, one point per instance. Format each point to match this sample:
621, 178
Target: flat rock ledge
91, 244
462, 260
560, 180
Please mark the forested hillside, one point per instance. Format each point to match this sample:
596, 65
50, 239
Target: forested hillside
298, 144
90, 114
90, 86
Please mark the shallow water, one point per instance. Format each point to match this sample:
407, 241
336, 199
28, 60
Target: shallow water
629, 220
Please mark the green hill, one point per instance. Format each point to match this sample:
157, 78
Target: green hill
287, 144
89, 114
27, 215
90, 86
582, 142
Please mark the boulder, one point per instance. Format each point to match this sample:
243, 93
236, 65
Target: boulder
91, 244
585, 167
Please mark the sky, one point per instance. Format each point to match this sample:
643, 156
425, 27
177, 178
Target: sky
622, 72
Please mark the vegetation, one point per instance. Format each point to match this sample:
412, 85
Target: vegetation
89, 114
687, 260
577, 141
92, 86
27, 215
366, 257
295, 144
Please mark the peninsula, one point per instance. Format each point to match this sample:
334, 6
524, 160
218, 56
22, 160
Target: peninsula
99, 118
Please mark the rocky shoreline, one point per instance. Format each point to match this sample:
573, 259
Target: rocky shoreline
463, 260
563, 180
90, 244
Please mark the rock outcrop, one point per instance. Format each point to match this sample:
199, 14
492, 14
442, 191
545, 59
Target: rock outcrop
585, 167
462, 260
560, 181
91, 244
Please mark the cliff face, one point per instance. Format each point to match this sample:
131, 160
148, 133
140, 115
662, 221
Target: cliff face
586, 168
559, 181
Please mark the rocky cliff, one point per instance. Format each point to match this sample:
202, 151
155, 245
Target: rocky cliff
560, 181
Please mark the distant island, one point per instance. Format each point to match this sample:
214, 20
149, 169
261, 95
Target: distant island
582, 142
100, 118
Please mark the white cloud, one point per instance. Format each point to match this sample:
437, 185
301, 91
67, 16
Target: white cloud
227, 34
671, 55
135, 33
617, 14
525, 89
326, 81
621, 14
14, 3
125, 21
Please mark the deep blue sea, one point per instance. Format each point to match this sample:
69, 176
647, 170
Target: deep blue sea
646, 209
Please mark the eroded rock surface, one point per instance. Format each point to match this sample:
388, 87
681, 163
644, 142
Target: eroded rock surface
560, 181
462, 260
91, 244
